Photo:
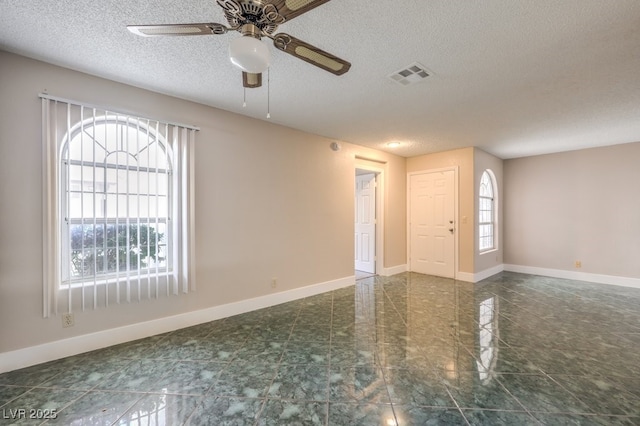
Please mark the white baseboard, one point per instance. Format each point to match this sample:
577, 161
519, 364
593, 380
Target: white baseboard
45, 352
387, 272
479, 276
467, 277
573, 275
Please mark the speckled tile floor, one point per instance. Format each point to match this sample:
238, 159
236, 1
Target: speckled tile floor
403, 350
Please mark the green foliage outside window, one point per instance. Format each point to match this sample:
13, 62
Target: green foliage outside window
106, 248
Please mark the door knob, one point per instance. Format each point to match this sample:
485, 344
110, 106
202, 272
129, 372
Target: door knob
451, 230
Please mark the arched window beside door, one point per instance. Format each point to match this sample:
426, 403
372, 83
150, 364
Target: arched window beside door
487, 212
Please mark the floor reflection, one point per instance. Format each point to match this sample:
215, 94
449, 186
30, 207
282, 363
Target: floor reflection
488, 333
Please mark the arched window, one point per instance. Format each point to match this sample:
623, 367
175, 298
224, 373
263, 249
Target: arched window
487, 212
115, 200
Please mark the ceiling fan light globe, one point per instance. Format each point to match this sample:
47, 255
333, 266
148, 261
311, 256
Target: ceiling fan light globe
249, 54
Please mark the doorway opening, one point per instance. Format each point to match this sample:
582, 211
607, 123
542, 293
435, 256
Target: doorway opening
368, 202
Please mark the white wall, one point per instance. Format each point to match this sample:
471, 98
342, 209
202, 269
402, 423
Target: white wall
270, 202
580, 205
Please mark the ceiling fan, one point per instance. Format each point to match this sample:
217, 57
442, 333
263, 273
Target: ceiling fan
255, 19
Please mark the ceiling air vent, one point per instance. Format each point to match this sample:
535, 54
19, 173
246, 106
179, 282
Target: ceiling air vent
412, 74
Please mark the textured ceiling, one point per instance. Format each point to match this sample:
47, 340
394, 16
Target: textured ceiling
512, 77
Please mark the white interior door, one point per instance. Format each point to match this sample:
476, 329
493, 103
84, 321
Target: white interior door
431, 223
365, 223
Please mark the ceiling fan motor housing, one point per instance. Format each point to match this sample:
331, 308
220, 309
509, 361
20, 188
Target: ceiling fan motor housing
263, 15
250, 30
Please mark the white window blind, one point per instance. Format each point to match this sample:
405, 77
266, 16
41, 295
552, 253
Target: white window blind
118, 207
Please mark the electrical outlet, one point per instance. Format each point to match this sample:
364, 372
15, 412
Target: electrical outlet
274, 282
578, 264
68, 320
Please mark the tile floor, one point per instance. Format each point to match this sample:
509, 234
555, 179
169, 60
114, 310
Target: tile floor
403, 350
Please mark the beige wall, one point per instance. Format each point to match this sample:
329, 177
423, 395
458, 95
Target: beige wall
270, 202
463, 159
580, 205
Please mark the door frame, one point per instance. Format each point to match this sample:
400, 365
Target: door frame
361, 265
456, 218
379, 171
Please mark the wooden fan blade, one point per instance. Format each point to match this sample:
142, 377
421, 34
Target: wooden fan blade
177, 29
250, 80
310, 54
289, 9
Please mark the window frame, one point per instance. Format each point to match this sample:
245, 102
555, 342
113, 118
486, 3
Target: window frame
488, 181
150, 136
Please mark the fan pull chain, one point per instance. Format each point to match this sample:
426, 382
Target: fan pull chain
268, 93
